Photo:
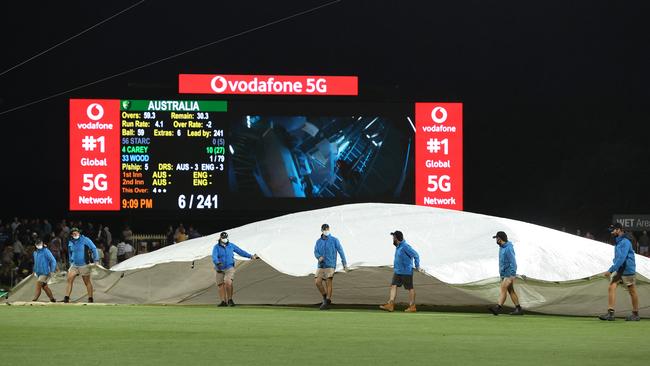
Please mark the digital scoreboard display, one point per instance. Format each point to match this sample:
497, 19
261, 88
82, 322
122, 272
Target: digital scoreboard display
216, 155
146, 154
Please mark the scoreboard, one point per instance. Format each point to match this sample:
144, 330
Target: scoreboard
215, 155
145, 154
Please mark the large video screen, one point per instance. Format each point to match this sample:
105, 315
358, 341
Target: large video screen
212, 155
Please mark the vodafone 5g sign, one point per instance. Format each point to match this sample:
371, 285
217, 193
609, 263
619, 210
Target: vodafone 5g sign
439, 155
94, 154
267, 84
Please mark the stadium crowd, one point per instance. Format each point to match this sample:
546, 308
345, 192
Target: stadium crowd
18, 238
639, 239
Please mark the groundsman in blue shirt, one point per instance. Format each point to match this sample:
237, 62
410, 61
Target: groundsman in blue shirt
325, 251
44, 266
623, 270
223, 258
79, 262
405, 256
508, 273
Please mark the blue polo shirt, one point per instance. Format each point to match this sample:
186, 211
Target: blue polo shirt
405, 255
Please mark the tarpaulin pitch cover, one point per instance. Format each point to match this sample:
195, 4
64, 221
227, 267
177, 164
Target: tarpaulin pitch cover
559, 273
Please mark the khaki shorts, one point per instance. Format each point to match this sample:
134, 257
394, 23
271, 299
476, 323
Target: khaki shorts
80, 270
324, 273
43, 278
626, 280
228, 274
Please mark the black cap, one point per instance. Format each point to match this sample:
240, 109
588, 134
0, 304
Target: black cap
324, 227
614, 226
501, 235
75, 229
223, 235
398, 235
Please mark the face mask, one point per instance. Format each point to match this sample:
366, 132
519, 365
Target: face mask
224, 241
326, 232
39, 246
75, 237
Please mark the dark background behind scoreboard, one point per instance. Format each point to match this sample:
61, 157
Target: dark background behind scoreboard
555, 93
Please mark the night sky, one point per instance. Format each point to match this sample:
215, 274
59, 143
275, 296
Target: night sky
555, 93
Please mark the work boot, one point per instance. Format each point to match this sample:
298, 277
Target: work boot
496, 309
609, 316
633, 318
231, 303
518, 311
325, 305
410, 309
52, 300
91, 300
390, 307
222, 304
66, 299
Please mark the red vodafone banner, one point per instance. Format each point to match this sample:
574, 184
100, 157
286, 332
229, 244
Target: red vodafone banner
267, 84
94, 154
439, 155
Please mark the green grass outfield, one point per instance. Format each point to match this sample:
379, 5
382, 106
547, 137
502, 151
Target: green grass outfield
201, 335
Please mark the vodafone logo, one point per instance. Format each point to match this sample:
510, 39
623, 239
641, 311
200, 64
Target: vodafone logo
439, 115
221, 82
95, 107
267, 84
